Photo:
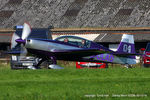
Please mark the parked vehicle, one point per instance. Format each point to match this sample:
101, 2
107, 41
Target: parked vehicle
146, 56
23, 63
18, 62
80, 65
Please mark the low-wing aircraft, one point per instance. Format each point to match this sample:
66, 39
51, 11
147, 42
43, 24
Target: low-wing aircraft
72, 48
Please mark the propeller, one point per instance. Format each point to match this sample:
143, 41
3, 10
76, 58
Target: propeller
22, 41
25, 33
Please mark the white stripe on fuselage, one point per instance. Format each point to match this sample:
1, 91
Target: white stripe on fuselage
48, 46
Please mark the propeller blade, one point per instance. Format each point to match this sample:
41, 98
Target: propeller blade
13, 42
23, 51
26, 31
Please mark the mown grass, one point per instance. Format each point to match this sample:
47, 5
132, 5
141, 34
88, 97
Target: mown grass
74, 84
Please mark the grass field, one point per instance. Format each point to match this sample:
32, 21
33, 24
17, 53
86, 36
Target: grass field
75, 84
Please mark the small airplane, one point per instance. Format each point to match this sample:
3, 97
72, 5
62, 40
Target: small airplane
72, 48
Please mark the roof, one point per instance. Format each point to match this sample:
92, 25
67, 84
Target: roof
75, 13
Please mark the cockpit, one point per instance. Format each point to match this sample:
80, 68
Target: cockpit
77, 41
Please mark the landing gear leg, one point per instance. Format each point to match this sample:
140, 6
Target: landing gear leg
54, 62
53, 59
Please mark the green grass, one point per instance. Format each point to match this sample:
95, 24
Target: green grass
74, 84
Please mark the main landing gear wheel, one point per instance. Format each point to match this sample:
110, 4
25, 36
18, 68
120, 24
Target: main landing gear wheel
54, 64
128, 66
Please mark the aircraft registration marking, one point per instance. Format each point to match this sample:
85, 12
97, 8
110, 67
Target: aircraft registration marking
103, 57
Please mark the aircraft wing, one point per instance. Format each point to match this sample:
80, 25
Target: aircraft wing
72, 52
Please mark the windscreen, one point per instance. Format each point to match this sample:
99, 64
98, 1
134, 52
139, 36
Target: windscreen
83, 43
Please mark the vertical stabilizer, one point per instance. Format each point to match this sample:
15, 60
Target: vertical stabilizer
127, 44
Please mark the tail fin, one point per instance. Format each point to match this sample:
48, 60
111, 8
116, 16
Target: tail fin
127, 48
126, 44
